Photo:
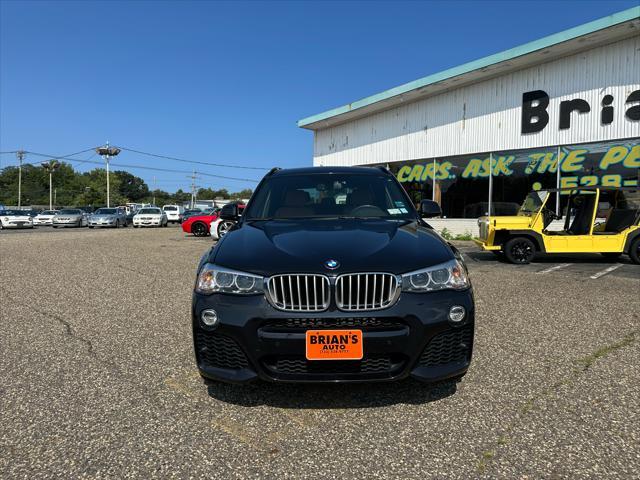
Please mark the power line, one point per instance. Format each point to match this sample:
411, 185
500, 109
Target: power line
157, 169
190, 161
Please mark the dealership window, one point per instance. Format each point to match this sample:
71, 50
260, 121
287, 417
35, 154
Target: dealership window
462, 186
516, 173
416, 178
464, 189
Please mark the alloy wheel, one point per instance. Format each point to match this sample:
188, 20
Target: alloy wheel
199, 230
522, 252
223, 228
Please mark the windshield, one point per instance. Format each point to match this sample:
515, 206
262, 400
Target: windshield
533, 202
70, 212
106, 211
49, 212
13, 213
326, 195
152, 211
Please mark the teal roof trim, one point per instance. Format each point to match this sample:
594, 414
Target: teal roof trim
545, 42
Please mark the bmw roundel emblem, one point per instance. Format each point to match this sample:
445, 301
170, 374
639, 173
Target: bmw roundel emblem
332, 264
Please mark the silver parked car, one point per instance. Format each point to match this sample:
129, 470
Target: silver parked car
70, 217
108, 217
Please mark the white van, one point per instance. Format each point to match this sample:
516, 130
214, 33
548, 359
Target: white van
173, 212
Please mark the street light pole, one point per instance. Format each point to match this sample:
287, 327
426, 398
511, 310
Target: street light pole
51, 167
106, 153
20, 154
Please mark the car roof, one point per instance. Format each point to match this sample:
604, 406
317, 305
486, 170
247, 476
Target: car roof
318, 170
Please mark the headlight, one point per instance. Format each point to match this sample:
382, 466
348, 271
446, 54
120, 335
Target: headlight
216, 279
449, 275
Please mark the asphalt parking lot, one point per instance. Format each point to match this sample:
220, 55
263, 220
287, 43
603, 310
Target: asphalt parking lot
98, 376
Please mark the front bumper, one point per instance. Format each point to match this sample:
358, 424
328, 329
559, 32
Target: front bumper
146, 223
102, 224
67, 223
17, 225
482, 244
412, 338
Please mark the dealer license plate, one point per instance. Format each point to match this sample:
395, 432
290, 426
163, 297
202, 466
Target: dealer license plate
334, 344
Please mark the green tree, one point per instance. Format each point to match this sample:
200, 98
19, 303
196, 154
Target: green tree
246, 193
131, 187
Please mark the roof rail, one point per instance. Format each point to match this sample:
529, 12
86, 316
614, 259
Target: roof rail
272, 171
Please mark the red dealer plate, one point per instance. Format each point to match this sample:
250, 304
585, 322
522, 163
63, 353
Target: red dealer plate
334, 344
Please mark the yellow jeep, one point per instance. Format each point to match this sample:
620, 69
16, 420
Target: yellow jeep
596, 220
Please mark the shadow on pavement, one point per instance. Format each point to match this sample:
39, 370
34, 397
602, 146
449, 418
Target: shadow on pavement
542, 259
331, 396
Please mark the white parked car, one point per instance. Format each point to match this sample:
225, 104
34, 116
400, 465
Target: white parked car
45, 218
173, 212
15, 219
150, 217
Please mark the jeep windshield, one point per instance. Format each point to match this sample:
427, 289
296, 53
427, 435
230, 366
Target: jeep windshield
330, 195
533, 203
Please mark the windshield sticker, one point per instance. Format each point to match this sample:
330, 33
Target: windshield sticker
394, 211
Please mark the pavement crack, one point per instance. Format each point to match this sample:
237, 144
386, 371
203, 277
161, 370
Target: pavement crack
583, 364
67, 329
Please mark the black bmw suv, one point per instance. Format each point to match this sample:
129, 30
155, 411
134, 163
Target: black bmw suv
331, 275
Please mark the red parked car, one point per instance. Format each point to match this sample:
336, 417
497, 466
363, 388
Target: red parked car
199, 225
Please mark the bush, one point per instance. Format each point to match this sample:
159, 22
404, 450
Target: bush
447, 235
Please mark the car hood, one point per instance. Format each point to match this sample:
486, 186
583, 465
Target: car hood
103, 217
19, 218
72, 215
301, 246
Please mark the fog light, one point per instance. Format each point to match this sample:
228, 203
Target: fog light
457, 313
209, 318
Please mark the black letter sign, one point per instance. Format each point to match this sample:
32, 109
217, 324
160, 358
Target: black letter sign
633, 113
569, 106
537, 112
606, 116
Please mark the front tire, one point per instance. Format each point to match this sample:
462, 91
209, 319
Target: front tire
199, 229
634, 251
519, 250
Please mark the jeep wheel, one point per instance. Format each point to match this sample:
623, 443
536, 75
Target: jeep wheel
519, 250
199, 229
634, 251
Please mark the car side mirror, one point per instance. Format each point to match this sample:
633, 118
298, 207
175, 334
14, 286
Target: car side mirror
430, 209
229, 212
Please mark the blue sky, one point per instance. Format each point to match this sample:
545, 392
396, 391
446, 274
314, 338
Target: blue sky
226, 82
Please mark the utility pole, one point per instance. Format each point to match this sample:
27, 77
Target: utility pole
20, 154
106, 153
51, 166
154, 190
193, 189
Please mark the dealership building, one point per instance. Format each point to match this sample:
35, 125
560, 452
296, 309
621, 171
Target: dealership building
560, 111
